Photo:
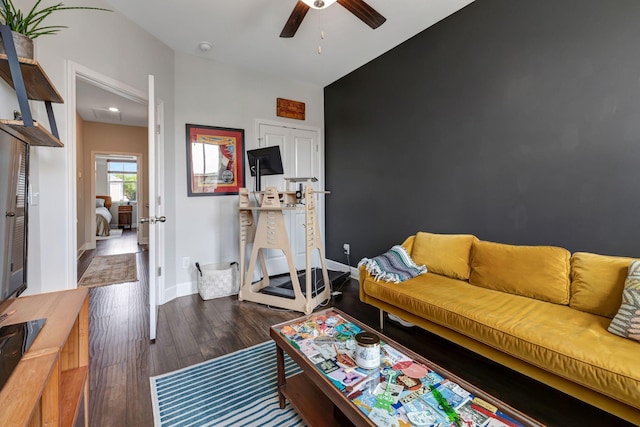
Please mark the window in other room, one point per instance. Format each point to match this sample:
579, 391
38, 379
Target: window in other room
123, 180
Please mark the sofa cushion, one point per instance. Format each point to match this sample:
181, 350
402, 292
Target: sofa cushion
627, 322
572, 344
445, 254
540, 272
597, 282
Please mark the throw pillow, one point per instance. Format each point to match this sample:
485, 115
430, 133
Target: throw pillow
627, 322
444, 254
99, 203
540, 272
597, 282
394, 266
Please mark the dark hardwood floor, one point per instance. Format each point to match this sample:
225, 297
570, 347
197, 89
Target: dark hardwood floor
191, 330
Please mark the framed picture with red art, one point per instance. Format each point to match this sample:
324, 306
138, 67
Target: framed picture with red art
215, 160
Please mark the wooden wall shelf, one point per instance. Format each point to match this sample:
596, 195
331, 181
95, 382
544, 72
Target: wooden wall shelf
27, 77
36, 135
39, 87
51, 380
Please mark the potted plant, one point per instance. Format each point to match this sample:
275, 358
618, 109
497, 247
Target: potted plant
26, 27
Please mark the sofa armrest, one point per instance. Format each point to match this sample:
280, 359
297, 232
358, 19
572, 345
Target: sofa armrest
408, 243
361, 278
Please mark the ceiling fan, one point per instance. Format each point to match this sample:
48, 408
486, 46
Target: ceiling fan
359, 8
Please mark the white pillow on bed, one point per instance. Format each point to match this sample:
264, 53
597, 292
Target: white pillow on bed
99, 203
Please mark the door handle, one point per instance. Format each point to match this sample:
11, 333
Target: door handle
12, 214
153, 219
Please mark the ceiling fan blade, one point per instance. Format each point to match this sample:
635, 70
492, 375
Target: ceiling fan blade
364, 12
294, 21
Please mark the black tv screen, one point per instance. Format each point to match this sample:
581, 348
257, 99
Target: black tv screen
269, 158
265, 161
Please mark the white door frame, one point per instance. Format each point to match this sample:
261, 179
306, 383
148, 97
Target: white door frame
92, 182
77, 71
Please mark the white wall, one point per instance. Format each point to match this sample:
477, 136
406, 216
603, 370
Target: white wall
114, 46
213, 94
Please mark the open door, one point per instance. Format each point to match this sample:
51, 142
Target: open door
156, 209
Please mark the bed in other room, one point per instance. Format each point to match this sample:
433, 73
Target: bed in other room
103, 215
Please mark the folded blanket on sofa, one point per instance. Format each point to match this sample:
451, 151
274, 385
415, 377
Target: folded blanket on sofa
394, 265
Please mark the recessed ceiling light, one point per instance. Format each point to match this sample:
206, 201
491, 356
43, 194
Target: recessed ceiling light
114, 109
204, 46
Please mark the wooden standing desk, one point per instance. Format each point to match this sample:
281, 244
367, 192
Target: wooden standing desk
270, 232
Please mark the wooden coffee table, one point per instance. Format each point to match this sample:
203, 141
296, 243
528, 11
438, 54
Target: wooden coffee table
331, 391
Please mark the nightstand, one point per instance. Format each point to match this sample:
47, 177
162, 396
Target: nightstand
124, 215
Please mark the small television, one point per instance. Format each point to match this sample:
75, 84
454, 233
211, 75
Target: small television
264, 161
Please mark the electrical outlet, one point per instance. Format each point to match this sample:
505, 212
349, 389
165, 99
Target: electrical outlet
347, 248
186, 261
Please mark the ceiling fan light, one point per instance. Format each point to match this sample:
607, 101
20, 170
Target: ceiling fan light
319, 4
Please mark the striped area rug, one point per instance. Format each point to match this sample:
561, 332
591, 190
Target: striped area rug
237, 389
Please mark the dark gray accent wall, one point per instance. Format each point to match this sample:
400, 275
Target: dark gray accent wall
517, 121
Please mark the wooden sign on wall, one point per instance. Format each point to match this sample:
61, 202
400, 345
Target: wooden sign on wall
290, 109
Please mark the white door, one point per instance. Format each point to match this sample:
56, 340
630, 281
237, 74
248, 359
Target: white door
156, 208
300, 150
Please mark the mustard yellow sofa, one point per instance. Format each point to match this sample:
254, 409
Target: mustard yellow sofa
539, 310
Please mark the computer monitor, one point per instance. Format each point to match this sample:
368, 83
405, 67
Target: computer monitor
264, 161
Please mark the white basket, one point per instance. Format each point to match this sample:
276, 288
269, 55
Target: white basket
217, 280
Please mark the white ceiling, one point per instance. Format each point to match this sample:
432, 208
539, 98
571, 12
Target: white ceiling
245, 33
92, 103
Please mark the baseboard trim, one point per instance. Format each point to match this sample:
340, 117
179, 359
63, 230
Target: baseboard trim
179, 290
190, 288
335, 265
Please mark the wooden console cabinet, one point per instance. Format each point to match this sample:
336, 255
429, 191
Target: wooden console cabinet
50, 385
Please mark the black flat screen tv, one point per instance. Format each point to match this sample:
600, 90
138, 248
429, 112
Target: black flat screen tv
15, 341
264, 161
